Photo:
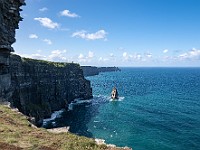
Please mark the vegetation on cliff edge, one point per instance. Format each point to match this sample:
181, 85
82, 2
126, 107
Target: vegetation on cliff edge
17, 133
55, 64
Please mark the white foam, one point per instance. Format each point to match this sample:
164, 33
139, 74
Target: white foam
54, 115
77, 102
100, 141
96, 121
70, 106
54, 123
119, 99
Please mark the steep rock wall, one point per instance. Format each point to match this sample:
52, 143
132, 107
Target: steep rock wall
9, 19
41, 87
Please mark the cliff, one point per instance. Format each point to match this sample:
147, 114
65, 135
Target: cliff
91, 70
37, 88
41, 87
9, 19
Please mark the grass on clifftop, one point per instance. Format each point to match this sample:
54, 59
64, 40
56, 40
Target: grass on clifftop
55, 64
16, 133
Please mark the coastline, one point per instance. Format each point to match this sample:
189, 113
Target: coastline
24, 135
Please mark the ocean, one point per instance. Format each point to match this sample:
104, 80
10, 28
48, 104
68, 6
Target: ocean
157, 109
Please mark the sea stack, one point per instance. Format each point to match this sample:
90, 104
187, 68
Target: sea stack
114, 93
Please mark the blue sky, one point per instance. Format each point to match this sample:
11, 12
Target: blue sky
112, 32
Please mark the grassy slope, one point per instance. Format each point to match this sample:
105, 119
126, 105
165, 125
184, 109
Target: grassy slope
17, 133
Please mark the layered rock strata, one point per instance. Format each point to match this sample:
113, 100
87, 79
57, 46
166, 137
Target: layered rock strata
9, 19
41, 87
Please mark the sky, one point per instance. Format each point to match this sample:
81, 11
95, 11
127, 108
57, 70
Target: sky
124, 33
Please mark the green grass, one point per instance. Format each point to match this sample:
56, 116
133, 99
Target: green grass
55, 64
17, 133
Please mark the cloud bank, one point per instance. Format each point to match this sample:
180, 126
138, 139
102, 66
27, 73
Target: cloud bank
67, 13
101, 34
48, 23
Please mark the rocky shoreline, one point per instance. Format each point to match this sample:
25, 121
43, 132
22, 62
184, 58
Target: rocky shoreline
24, 135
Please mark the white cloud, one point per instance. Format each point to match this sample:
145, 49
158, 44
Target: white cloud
43, 9
85, 58
81, 56
128, 57
38, 56
101, 34
49, 42
57, 55
139, 57
125, 56
46, 22
165, 50
33, 36
33, 56
112, 55
67, 13
121, 49
101, 59
193, 54
39, 51
148, 55
90, 54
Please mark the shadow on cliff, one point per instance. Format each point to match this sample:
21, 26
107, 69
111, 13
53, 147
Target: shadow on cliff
79, 117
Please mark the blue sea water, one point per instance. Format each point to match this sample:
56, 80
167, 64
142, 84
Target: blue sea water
158, 109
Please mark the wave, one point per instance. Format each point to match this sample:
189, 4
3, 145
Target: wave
54, 115
78, 102
105, 98
121, 98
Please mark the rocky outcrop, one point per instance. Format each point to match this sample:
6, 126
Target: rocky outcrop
9, 19
41, 87
91, 70
114, 93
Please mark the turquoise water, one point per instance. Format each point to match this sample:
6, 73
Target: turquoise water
158, 109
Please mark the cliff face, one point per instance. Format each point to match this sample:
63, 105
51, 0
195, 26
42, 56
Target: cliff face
35, 87
91, 70
9, 19
40, 87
